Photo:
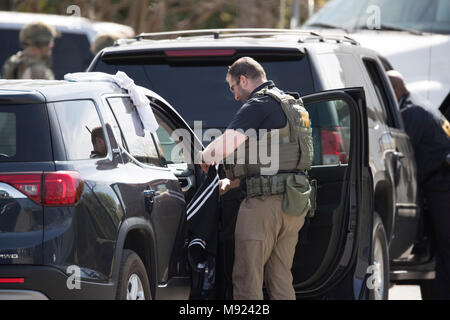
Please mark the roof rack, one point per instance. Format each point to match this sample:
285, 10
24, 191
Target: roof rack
249, 32
217, 33
337, 38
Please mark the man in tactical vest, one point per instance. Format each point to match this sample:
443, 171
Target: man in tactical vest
277, 198
35, 61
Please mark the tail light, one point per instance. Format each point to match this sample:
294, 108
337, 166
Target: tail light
12, 280
28, 183
334, 149
61, 188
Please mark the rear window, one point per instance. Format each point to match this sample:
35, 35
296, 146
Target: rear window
198, 90
24, 133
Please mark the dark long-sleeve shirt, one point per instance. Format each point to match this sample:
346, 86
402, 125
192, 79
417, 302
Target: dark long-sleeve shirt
430, 143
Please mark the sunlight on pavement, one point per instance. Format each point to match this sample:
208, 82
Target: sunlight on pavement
405, 293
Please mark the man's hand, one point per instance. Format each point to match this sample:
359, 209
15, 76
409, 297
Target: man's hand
226, 184
205, 167
203, 164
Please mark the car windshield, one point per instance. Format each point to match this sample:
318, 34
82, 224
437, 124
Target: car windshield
399, 15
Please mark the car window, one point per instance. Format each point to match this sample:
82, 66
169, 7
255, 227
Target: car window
24, 133
330, 122
8, 131
112, 126
343, 70
81, 129
198, 91
139, 143
171, 150
381, 92
331, 67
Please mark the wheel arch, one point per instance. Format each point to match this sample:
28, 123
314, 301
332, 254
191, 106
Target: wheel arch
384, 205
137, 234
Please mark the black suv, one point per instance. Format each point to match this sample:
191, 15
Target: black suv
369, 217
91, 206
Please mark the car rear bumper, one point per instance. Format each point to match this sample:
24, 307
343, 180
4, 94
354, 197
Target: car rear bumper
21, 295
44, 282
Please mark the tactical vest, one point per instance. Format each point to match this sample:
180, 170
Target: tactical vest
295, 143
16, 66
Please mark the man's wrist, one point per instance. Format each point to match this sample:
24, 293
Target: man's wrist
201, 157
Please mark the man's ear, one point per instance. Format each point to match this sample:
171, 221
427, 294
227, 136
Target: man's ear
243, 80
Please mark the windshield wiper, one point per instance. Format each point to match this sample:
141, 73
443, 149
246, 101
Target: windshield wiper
326, 26
390, 27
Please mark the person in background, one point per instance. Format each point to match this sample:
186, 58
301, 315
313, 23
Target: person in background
431, 146
102, 41
34, 62
99, 143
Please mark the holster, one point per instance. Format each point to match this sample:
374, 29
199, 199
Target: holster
299, 194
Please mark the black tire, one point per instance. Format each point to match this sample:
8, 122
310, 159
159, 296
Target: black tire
132, 271
427, 289
380, 257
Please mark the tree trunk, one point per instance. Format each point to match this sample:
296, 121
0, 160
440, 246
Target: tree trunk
257, 13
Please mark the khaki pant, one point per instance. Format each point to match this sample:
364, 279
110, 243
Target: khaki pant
265, 241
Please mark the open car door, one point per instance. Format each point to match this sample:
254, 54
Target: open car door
334, 252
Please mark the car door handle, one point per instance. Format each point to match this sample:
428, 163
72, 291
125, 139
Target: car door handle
186, 183
399, 155
149, 199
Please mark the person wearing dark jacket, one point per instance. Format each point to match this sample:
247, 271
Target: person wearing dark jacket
202, 216
431, 146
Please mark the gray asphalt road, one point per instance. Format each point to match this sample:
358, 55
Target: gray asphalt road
405, 293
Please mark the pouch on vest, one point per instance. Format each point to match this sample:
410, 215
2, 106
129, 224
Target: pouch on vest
296, 198
313, 198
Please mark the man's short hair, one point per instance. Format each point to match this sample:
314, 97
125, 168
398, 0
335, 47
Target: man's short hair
97, 133
102, 41
247, 67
